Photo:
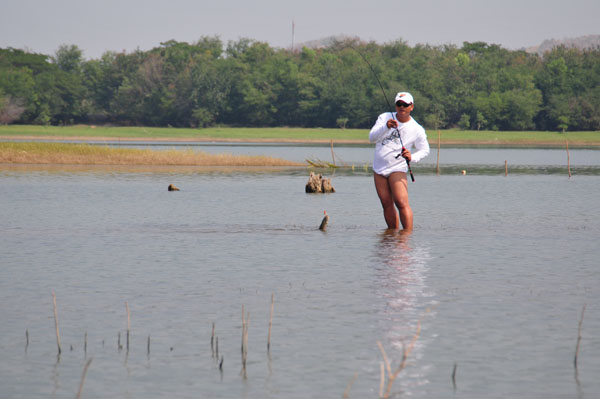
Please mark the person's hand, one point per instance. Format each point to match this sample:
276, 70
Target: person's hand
392, 123
406, 154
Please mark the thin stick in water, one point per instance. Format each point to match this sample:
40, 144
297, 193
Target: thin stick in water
270, 323
381, 378
26, 340
454, 375
568, 158
332, 156
56, 323
505, 168
347, 390
243, 328
579, 336
212, 340
148, 350
128, 323
437, 166
85, 343
85, 369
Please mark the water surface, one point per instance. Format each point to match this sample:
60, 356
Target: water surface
496, 273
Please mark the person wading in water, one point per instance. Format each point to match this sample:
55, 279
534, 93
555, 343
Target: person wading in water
393, 135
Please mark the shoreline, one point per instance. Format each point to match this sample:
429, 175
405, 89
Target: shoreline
208, 139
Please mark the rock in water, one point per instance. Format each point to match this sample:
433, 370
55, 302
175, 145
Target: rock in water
318, 184
326, 185
313, 185
172, 188
324, 222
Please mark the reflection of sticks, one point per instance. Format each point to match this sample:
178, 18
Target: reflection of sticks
148, 347
56, 323
405, 352
347, 390
270, 323
85, 369
85, 343
579, 337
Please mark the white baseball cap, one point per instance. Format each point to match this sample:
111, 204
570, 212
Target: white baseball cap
405, 97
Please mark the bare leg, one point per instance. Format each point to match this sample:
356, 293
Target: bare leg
399, 187
387, 201
393, 192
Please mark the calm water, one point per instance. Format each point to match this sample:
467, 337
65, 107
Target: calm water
497, 272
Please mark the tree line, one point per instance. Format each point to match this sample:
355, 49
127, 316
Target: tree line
249, 83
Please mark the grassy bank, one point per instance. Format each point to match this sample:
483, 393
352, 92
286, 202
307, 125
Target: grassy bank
300, 135
85, 154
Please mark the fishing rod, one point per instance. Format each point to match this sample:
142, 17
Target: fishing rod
412, 177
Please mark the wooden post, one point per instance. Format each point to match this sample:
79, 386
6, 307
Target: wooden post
568, 158
437, 167
332, 156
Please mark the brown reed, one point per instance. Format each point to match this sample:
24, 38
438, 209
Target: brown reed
270, 322
83, 374
349, 386
381, 378
505, 168
56, 323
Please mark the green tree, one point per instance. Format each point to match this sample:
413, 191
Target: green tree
465, 122
563, 123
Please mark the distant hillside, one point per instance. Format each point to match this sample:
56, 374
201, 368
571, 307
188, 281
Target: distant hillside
581, 42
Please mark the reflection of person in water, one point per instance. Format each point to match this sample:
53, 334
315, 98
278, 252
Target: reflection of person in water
401, 268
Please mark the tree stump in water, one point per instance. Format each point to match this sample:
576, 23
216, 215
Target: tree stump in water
318, 184
172, 188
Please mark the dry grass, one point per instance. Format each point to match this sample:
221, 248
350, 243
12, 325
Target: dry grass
86, 154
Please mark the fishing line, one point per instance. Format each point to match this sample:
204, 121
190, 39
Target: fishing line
412, 177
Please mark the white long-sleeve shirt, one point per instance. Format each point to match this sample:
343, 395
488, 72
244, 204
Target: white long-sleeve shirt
387, 144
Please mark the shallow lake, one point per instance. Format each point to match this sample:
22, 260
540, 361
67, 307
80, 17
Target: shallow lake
496, 275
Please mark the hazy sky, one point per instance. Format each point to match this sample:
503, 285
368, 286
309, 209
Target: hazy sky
100, 25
